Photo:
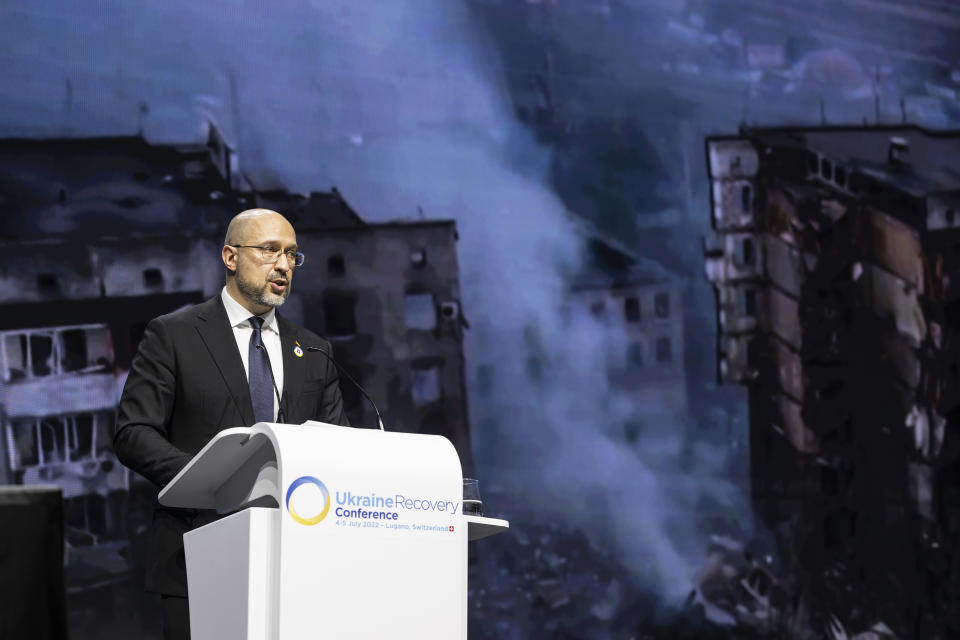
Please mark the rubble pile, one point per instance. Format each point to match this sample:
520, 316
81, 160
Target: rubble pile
740, 591
550, 582
737, 589
543, 581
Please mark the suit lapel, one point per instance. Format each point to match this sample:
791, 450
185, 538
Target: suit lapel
293, 365
217, 335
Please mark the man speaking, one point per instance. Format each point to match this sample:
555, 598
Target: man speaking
227, 362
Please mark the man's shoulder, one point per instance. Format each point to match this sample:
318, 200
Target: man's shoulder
188, 315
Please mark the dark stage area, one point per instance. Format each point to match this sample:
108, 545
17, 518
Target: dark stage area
677, 280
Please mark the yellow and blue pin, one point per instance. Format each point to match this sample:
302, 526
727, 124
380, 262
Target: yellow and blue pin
297, 351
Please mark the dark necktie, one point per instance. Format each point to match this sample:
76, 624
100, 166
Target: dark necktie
261, 375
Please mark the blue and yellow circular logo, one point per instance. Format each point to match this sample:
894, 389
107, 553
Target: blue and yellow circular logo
302, 480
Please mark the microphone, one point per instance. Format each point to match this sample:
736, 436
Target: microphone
350, 378
280, 417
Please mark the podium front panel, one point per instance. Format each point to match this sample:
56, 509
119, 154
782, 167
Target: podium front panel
372, 539
230, 576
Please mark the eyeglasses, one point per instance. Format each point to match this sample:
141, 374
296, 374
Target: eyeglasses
269, 254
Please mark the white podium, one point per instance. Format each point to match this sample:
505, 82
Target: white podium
338, 533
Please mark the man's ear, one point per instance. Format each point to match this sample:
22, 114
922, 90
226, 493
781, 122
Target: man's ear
229, 255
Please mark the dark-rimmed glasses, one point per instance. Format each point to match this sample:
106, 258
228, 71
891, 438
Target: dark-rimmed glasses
269, 254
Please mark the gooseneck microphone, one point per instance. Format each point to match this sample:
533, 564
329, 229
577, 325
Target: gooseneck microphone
280, 417
354, 382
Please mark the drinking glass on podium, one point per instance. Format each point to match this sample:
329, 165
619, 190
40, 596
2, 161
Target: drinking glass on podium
472, 505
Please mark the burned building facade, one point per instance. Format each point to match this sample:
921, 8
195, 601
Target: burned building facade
387, 296
88, 259
835, 267
641, 300
98, 236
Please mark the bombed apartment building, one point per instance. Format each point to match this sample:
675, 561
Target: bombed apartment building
644, 301
89, 256
387, 296
835, 267
633, 307
98, 236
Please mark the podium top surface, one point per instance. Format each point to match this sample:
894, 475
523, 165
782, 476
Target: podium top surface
241, 463
206, 470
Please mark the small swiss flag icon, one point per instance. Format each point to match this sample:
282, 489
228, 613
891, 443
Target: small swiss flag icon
451, 527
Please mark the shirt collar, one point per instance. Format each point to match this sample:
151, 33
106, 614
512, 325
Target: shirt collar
240, 317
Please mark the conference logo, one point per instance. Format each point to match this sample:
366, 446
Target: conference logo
308, 519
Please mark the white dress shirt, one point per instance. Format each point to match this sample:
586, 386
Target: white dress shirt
270, 334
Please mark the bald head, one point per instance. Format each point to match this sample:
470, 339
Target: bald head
259, 255
246, 222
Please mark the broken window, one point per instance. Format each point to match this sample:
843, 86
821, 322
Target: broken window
420, 311
85, 349
631, 309
661, 305
15, 357
77, 522
52, 447
41, 354
81, 437
339, 313
92, 517
664, 350
99, 347
746, 198
826, 169
336, 266
750, 303
856, 182
25, 451
425, 385
74, 356
153, 278
37, 353
838, 527
748, 254
53, 439
635, 356
48, 283
841, 176
829, 481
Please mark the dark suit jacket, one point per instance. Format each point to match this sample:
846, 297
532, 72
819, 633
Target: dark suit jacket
186, 383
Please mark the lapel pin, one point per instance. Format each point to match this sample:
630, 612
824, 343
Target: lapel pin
297, 351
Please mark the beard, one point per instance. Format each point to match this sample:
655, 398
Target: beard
260, 293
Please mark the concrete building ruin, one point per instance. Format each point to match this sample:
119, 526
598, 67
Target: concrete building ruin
835, 263
644, 301
98, 236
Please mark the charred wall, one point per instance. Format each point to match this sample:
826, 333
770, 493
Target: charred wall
388, 298
837, 309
